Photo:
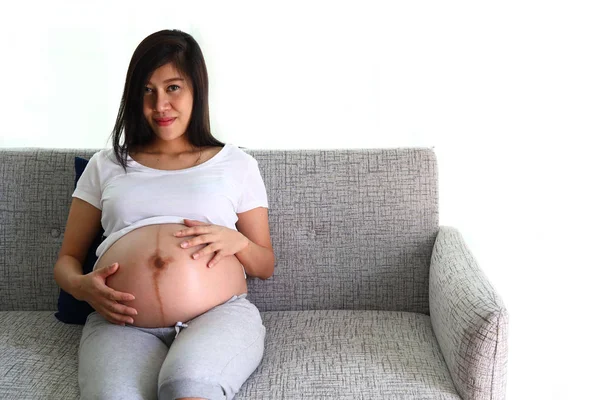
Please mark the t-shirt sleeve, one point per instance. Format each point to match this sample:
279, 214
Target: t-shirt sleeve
89, 184
254, 193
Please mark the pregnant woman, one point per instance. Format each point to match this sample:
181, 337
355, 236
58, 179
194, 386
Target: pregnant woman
186, 222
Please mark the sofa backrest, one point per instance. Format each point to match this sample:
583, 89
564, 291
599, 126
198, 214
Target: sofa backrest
351, 228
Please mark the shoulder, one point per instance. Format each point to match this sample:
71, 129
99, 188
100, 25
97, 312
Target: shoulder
239, 153
105, 160
103, 154
99, 156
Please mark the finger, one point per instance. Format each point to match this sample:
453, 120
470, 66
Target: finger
119, 296
197, 241
113, 320
115, 313
120, 318
110, 317
109, 270
184, 233
214, 260
193, 222
122, 309
194, 229
189, 222
119, 309
208, 249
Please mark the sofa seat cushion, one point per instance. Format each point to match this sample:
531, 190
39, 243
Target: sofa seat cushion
339, 354
39, 356
349, 354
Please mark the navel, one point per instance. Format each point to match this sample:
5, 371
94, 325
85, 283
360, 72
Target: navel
158, 261
158, 264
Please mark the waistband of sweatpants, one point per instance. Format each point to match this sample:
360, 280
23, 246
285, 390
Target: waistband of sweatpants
236, 297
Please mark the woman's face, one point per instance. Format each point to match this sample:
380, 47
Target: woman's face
168, 95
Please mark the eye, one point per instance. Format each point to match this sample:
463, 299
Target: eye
149, 90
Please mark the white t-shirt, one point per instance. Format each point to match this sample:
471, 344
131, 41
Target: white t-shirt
214, 192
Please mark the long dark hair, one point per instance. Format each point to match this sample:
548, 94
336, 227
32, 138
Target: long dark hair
156, 50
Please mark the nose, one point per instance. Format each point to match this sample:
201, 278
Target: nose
161, 102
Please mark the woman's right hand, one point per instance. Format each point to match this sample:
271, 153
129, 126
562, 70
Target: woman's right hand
104, 299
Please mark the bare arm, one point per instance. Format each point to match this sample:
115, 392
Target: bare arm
83, 224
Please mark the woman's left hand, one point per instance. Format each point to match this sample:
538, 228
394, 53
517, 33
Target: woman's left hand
219, 239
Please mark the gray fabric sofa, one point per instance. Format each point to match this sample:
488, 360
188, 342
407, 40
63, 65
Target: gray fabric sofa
370, 298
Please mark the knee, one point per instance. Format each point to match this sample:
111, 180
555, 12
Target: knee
191, 398
180, 388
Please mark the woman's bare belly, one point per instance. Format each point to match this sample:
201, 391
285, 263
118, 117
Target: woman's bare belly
168, 285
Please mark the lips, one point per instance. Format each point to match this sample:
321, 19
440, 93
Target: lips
164, 121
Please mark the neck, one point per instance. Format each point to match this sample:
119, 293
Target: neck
167, 149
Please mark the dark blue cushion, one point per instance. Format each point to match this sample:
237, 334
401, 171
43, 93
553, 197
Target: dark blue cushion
71, 310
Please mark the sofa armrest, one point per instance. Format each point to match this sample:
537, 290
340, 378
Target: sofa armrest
469, 319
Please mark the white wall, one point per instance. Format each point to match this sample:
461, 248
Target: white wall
508, 93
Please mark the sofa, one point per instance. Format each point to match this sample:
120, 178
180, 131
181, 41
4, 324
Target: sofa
370, 299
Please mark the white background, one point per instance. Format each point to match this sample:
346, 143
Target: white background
507, 93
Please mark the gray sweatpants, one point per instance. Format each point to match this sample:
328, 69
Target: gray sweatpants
209, 356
